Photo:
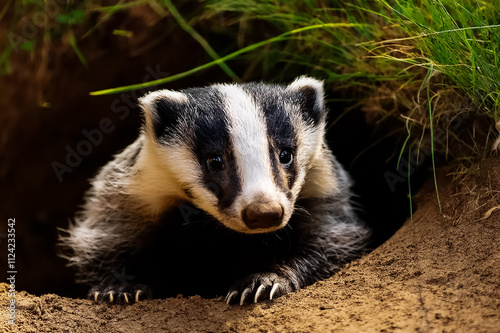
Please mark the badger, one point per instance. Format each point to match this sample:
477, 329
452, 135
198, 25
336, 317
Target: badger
230, 189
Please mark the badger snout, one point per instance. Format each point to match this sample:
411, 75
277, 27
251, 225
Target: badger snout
263, 215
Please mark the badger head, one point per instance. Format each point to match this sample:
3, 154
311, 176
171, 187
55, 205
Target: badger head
240, 152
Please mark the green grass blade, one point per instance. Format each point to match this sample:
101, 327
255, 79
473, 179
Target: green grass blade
431, 124
4, 10
429, 34
77, 51
409, 186
202, 41
282, 37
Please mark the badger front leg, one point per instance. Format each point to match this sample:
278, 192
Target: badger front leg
330, 237
278, 280
98, 246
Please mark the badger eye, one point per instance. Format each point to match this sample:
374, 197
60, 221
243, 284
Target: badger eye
286, 156
215, 163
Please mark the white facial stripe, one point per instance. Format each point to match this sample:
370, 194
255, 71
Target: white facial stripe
249, 138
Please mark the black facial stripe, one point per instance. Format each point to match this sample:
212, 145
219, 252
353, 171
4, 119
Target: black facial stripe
211, 137
292, 172
209, 123
272, 99
230, 183
279, 125
276, 166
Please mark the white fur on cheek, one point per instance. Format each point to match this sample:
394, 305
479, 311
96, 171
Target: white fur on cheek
166, 170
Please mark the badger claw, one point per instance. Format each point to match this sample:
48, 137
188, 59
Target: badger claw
96, 297
259, 286
258, 293
119, 294
230, 296
244, 295
273, 290
125, 298
137, 295
111, 297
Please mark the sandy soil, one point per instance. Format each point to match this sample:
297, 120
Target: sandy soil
438, 273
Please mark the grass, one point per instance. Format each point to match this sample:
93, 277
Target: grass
461, 40
426, 63
220, 60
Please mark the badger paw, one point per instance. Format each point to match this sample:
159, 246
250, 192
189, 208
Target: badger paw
121, 294
258, 287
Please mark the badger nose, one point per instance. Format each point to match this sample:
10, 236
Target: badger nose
263, 215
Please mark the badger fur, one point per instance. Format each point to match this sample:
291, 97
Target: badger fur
229, 189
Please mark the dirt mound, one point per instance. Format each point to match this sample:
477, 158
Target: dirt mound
438, 273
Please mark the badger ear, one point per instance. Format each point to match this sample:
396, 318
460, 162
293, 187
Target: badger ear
309, 94
162, 111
